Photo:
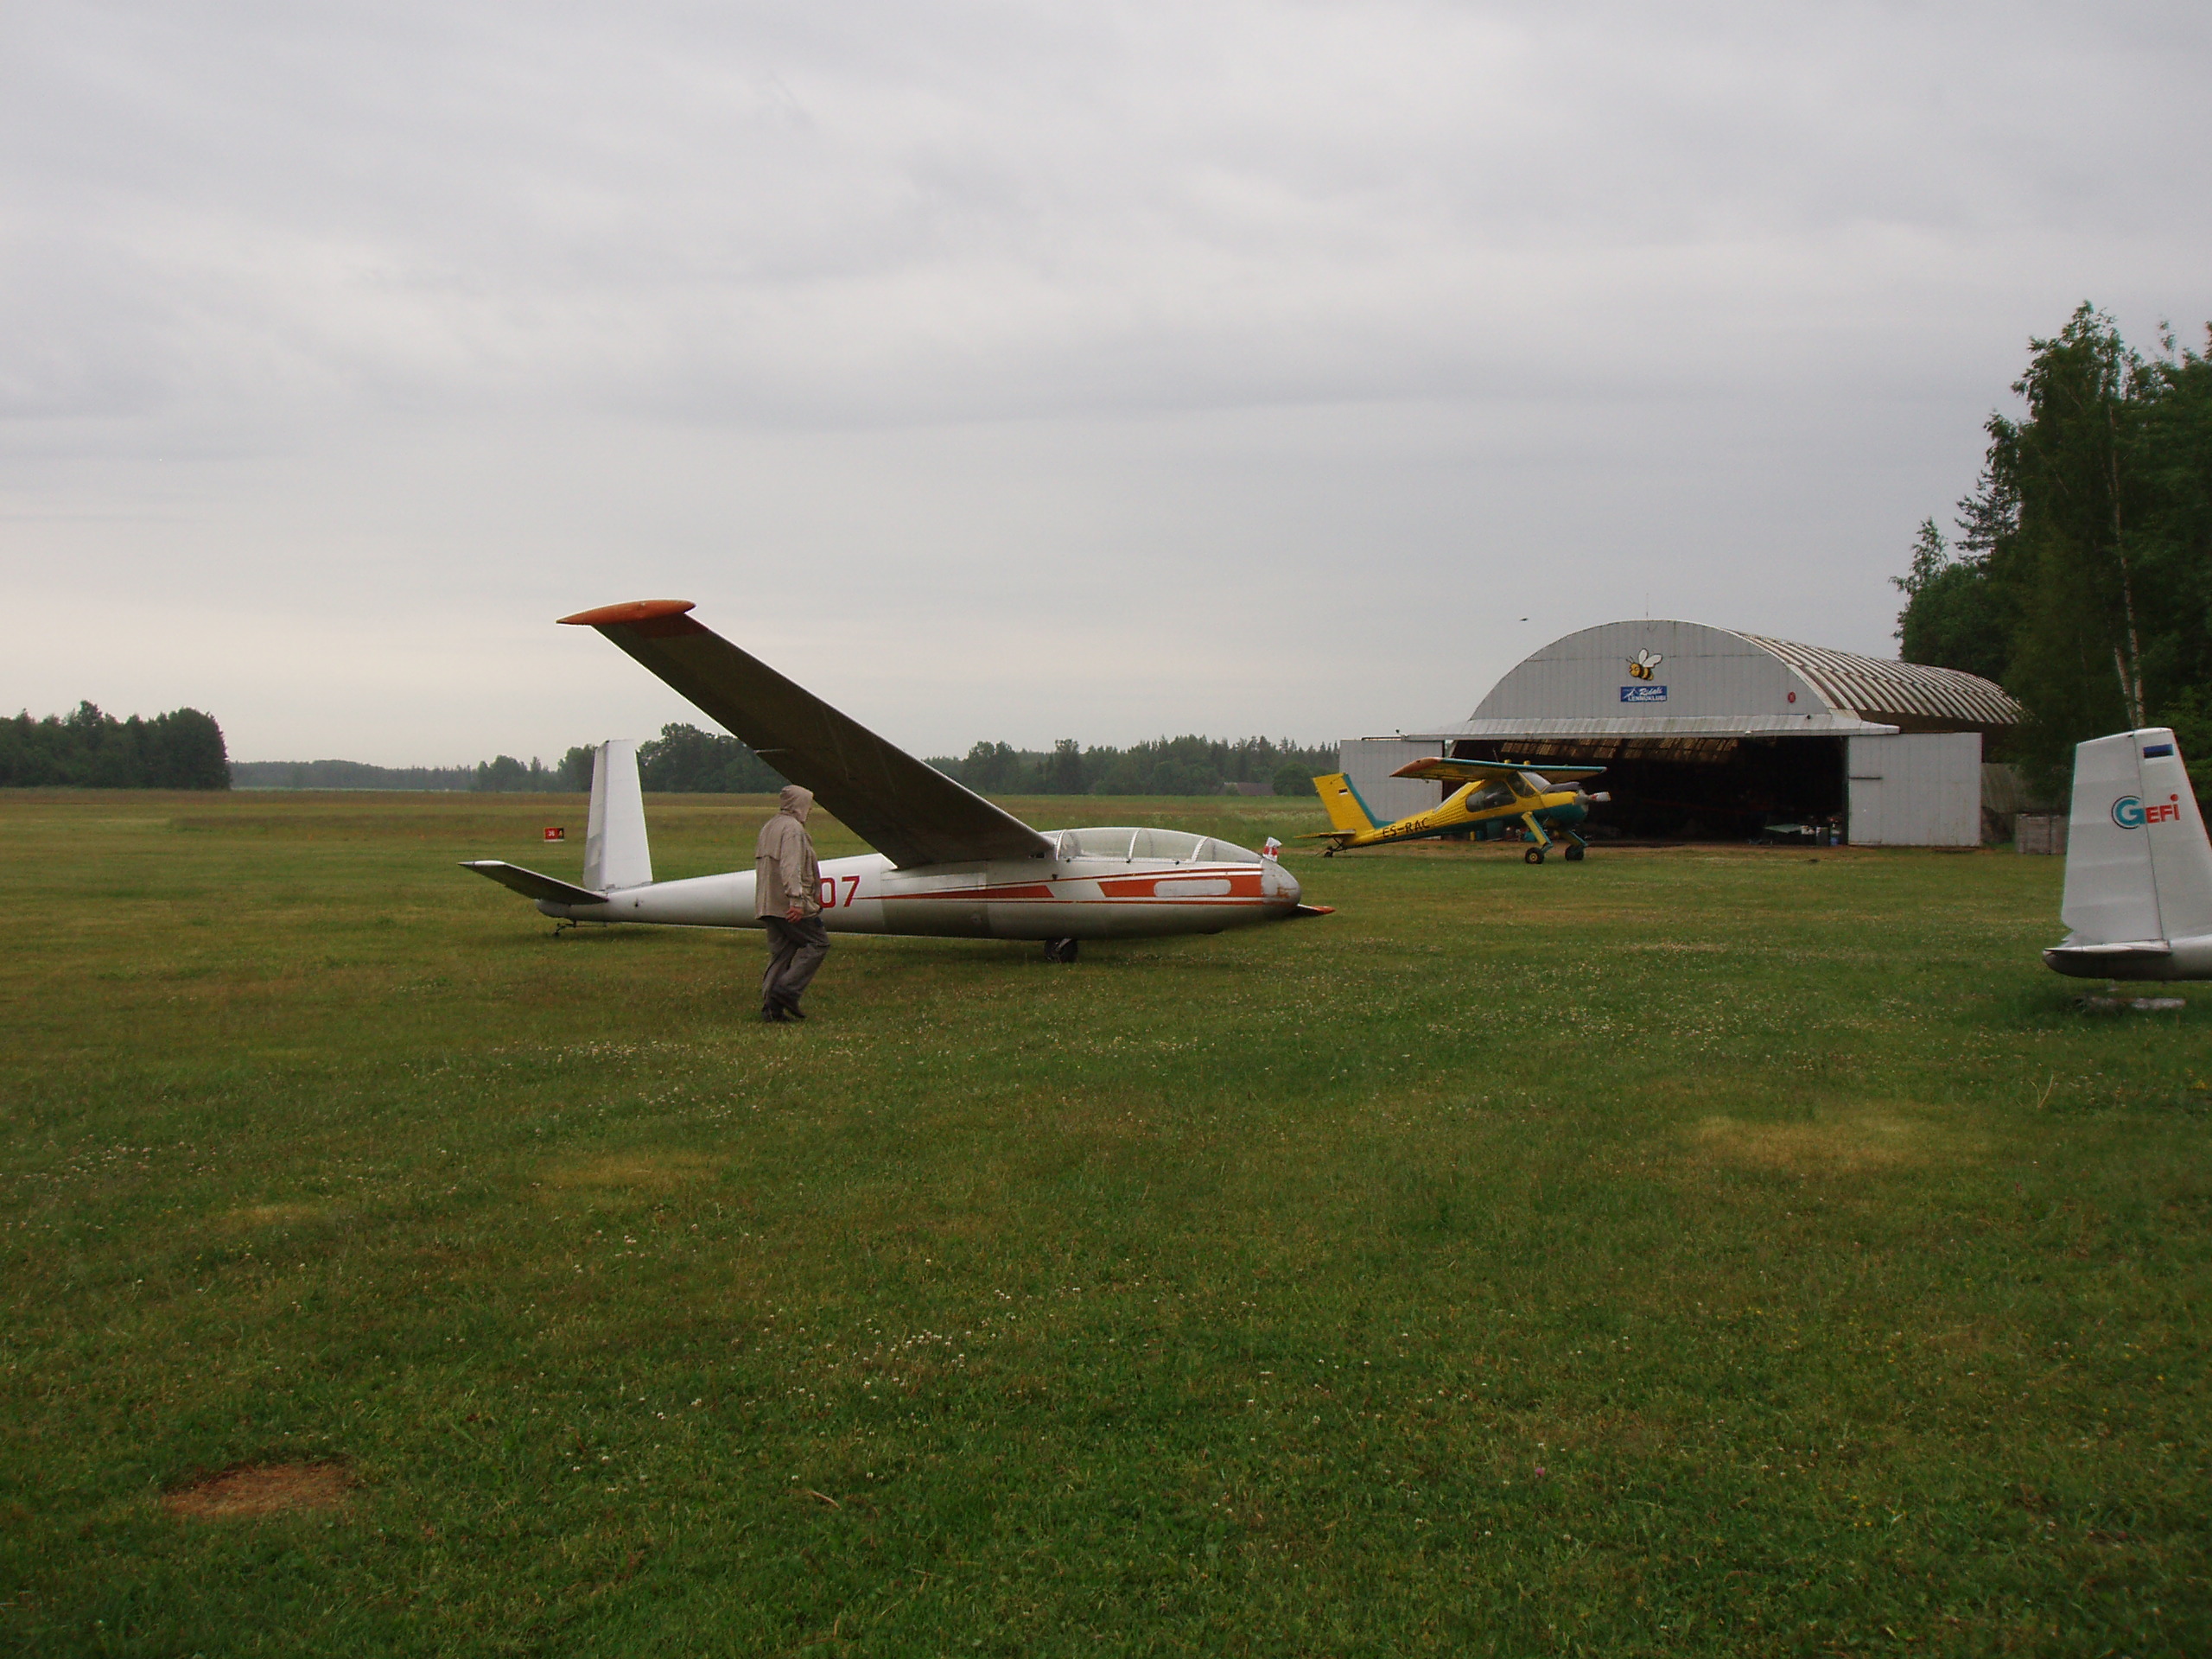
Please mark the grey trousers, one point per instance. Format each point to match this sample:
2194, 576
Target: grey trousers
795, 951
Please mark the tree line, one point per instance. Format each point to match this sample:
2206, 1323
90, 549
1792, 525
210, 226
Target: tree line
88, 748
685, 760
2081, 576
1164, 765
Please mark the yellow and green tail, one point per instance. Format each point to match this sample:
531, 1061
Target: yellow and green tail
1348, 814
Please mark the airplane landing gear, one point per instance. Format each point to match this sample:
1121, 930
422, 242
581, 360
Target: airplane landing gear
1534, 855
1061, 950
1573, 854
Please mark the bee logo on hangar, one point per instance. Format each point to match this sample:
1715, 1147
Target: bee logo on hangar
1641, 664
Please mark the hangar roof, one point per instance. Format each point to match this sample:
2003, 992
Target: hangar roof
1656, 678
1877, 689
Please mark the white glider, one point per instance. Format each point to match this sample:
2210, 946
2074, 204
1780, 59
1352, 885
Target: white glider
948, 863
2138, 868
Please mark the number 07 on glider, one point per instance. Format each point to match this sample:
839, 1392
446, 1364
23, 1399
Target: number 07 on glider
948, 863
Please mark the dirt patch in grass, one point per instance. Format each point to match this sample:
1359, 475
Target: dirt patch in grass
1841, 1144
650, 1172
254, 1488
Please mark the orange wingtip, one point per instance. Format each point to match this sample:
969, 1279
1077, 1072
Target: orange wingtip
637, 610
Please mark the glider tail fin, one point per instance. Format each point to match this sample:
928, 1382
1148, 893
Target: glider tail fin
616, 854
1347, 812
2138, 868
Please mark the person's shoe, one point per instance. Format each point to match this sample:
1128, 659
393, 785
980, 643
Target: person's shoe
771, 1016
793, 1011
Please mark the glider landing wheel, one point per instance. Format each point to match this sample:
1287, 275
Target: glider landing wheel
1060, 949
1534, 855
1573, 854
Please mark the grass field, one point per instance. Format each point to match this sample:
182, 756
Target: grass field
1687, 1252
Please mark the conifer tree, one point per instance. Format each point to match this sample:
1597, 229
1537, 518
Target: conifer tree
2083, 580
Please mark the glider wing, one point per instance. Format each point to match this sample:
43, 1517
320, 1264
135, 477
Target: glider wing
911, 812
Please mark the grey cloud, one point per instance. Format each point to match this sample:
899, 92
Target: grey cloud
967, 211
1454, 296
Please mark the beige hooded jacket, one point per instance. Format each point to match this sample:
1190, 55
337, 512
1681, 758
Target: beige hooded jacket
784, 873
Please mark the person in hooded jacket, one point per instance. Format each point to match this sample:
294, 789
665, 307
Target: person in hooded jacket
786, 898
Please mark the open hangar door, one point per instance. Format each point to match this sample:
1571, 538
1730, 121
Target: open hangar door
1907, 790
1712, 734
1693, 789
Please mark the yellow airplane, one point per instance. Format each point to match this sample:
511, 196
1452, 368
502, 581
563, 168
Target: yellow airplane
1495, 798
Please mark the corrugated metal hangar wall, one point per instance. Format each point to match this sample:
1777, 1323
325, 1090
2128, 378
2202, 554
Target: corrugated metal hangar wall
1369, 762
1710, 734
1918, 789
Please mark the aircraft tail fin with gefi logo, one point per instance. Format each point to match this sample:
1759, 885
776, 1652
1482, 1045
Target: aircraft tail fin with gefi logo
2138, 866
616, 853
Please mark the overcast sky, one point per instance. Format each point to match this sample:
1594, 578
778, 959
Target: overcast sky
1020, 372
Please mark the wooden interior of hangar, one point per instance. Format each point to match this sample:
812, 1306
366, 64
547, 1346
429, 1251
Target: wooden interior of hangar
1692, 788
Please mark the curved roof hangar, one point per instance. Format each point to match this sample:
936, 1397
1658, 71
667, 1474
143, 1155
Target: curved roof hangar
1659, 678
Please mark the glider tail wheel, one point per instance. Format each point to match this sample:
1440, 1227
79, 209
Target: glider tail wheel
1534, 855
1060, 949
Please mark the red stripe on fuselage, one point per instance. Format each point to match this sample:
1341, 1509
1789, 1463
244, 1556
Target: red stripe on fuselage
1243, 884
1036, 890
1218, 903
